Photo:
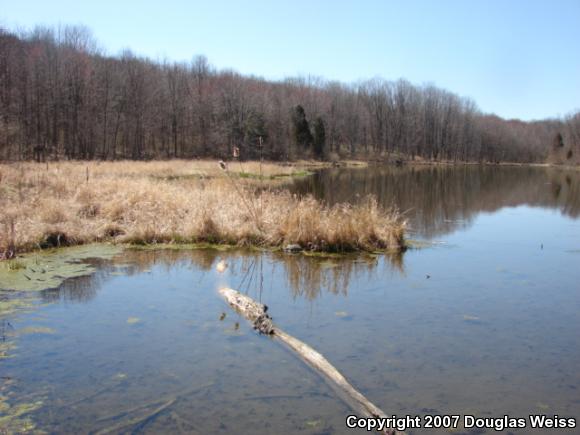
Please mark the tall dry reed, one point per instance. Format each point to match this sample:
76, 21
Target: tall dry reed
176, 202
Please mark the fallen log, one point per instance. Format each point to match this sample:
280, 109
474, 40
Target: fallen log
258, 316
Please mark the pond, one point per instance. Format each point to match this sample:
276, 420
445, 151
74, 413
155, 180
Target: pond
482, 320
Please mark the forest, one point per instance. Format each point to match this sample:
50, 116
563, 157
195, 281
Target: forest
63, 97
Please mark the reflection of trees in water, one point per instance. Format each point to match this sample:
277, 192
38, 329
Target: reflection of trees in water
308, 277
249, 271
139, 261
79, 289
132, 262
441, 199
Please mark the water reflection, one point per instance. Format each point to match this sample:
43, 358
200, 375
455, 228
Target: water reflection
440, 200
306, 276
486, 325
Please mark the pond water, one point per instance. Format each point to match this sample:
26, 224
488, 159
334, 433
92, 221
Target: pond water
485, 320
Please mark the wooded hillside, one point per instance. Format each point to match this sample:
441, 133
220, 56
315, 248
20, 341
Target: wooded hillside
62, 97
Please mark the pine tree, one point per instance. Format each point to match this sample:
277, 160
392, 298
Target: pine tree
558, 141
302, 135
319, 140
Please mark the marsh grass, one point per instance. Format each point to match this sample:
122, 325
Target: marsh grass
178, 202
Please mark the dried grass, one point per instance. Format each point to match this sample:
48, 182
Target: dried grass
176, 201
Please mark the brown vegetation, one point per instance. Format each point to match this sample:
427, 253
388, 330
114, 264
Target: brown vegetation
178, 201
565, 149
62, 97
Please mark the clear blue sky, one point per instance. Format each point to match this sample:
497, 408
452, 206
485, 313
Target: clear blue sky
516, 58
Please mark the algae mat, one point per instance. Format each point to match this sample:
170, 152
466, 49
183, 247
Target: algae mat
49, 269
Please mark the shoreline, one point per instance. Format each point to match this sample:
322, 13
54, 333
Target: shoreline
37, 200
76, 203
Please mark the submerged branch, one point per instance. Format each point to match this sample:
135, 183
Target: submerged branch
257, 314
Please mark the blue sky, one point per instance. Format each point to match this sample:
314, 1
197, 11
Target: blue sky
516, 58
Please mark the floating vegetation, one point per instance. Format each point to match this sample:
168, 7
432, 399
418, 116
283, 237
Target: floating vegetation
419, 244
133, 320
313, 423
48, 269
20, 281
5, 349
15, 265
36, 330
11, 304
13, 416
14, 419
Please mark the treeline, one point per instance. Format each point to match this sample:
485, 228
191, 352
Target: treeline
450, 198
62, 97
566, 143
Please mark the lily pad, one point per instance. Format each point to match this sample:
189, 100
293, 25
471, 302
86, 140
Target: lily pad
48, 269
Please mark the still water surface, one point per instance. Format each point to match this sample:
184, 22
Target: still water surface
484, 321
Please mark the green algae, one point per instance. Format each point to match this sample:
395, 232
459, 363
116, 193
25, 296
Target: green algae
12, 305
418, 244
13, 416
48, 269
6, 347
20, 281
36, 330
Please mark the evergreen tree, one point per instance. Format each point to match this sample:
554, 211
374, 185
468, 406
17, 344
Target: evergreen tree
302, 135
319, 140
558, 141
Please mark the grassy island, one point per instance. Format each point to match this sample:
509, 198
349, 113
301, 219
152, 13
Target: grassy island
179, 201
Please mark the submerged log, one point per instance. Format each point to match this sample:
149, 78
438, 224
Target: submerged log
257, 314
